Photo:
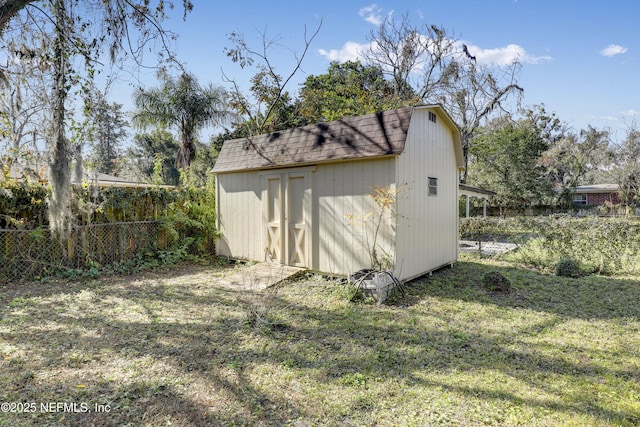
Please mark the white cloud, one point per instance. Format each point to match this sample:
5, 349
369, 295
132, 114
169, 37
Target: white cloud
604, 118
613, 50
501, 56
623, 115
350, 51
372, 14
504, 55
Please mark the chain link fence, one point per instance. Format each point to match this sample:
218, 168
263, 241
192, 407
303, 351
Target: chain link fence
27, 254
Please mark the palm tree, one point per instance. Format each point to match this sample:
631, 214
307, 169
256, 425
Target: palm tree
181, 103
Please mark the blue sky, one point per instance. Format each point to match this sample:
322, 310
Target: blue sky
580, 58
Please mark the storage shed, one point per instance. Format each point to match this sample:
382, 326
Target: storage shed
336, 197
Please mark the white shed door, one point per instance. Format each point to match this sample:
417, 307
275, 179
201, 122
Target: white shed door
274, 219
287, 218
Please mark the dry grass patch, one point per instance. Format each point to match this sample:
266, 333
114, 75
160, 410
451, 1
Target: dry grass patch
172, 348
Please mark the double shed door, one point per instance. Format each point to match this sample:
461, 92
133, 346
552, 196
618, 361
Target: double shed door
287, 208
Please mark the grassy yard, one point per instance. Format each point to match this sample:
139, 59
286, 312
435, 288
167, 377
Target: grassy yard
169, 348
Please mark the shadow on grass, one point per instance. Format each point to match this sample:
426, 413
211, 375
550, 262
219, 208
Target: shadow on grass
189, 354
53, 353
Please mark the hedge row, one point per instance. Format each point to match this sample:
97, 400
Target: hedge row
185, 212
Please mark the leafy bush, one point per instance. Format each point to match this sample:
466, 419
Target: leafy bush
22, 204
568, 267
513, 229
603, 245
186, 216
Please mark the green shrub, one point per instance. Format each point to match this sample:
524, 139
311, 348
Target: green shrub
513, 229
604, 245
186, 217
568, 267
23, 204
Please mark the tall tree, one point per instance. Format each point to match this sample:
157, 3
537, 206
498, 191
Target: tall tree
9, 9
347, 89
440, 69
414, 59
153, 155
471, 93
625, 168
85, 30
506, 159
60, 164
183, 104
25, 101
282, 112
573, 157
108, 127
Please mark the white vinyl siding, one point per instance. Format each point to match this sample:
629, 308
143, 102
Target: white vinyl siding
239, 216
344, 229
427, 227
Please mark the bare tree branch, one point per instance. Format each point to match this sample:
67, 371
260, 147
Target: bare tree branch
245, 56
9, 9
427, 65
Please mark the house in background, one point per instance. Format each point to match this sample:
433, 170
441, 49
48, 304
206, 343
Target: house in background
596, 194
305, 197
18, 172
105, 180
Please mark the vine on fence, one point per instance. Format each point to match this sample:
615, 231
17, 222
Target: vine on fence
186, 217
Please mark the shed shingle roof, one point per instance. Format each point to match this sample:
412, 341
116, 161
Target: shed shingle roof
372, 135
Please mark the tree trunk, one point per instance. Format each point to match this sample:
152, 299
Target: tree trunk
59, 166
466, 142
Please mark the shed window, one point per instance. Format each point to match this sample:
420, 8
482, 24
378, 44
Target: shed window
580, 199
433, 186
432, 116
